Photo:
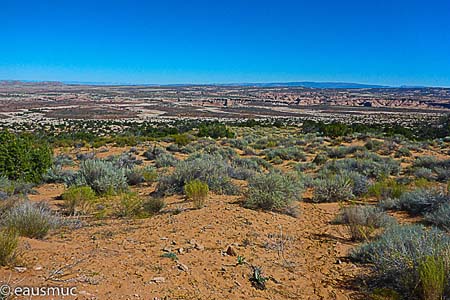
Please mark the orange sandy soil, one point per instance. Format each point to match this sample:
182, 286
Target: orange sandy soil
121, 259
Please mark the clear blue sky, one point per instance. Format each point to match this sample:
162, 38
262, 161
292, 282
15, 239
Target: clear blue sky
386, 42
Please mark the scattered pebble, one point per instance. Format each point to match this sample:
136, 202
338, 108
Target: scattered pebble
199, 247
183, 267
20, 269
230, 251
158, 280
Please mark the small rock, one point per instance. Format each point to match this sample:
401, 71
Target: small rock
167, 249
38, 268
158, 280
183, 267
181, 250
199, 247
20, 269
231, 251
164, 239
174, 242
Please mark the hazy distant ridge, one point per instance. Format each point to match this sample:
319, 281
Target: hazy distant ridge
311, 84
305, 84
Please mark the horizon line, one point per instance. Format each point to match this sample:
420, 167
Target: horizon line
272, 83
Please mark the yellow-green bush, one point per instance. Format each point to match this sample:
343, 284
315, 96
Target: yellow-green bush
78, 199
432, 274
8, 246
130, 205
388, 188
154, 205
196, 191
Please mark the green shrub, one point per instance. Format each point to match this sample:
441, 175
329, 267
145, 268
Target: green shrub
23, 157
301, 167
443, 174
388, 188
8, 247
6, 187
388, 204
181, 140
154, 205
134, 176
63, 160
397, 254
102, 176
130, 205
440, 216
173, 148
320, 159
429, 162
433, 277
333, 188
362, 220
370, 165
424, 173
126, 160
274, 191
403, 152
30, 220
78, 199
287, 153
421, 201
440, 168
11, 187
373, 145
238, 143
152, 153
360, 183
149, 174
165, 160
139, 175
342, 151
57, 175
196, 191
277, 161
226, 153
210, 169
244, 168
215, 130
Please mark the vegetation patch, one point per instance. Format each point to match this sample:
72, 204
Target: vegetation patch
23, 157
403, 256
274, 191
196, 191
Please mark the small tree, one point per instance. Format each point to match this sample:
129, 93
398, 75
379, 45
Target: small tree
23, 157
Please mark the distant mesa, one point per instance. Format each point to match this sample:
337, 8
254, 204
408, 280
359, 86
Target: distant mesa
316, 85
30, 83
304, 84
